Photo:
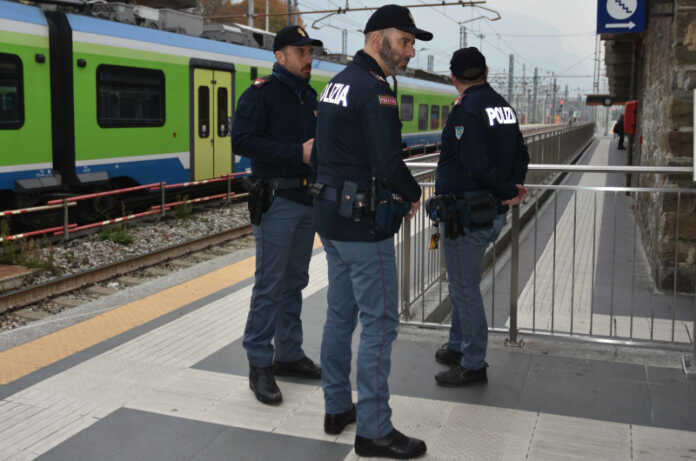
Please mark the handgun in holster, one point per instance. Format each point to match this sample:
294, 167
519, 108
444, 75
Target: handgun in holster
260, 198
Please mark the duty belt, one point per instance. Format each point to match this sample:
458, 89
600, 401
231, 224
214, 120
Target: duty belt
359, 210
287, 183
331, 194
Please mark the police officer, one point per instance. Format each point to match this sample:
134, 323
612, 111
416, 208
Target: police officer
483, 161
360, 168
274, 125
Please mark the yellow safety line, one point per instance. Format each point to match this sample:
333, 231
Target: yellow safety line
22, 360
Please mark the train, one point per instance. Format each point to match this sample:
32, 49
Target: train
89, 104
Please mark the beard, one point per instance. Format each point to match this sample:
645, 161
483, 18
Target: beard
396, 63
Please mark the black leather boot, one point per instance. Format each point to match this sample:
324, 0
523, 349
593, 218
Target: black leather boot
447, 356
335, 423
458, 376
304, 368
395, 445
262, 382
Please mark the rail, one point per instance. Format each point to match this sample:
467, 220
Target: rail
591, 279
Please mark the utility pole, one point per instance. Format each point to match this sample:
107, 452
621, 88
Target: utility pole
251, 13
511, 74
595, 83
431, 63
534, 98
344, 42
553, 101
289, 12
462, 37
267, 18
523, 89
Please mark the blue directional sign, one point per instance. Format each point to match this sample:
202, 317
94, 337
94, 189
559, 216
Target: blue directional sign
620, 16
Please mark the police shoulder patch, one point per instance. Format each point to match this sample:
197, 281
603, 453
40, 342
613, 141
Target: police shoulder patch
259, 82
387, 100
459, 131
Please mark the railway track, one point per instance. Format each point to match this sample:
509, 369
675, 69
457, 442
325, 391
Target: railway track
19, 299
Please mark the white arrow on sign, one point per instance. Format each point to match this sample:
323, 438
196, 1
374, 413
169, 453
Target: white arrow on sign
621, 25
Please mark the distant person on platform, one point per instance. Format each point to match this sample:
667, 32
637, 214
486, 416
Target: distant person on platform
619, 130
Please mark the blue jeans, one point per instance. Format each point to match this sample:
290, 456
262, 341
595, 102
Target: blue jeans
362, 283
284, 241
464, 257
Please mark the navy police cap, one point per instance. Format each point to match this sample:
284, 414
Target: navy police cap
468, 63
398, 17
293, 36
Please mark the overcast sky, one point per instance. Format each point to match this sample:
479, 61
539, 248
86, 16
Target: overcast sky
566, 45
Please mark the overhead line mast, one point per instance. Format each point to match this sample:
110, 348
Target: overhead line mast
340, 10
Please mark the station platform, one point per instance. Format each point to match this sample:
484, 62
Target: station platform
158, 372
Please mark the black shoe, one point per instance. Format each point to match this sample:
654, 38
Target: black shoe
304, 368
458, 376
262, 382
447, 356
334, 424
395, 445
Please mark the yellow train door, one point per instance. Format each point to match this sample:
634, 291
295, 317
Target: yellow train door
222, 158
213, 94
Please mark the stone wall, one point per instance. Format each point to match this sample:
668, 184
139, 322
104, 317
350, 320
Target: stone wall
666, 80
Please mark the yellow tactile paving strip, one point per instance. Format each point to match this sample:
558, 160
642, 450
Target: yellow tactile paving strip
22, 360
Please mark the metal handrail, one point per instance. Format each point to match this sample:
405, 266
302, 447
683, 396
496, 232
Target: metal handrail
589, 168
547, 146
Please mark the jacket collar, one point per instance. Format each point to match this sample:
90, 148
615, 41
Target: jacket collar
368, 63
297, 84
475, 88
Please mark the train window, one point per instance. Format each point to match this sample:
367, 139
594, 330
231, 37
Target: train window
11, 92
254, 73
129, 97
434, 117
203, 112
223, 119
445, 114
406, 108
422, 117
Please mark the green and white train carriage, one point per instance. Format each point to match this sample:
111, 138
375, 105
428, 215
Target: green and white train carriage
89, 101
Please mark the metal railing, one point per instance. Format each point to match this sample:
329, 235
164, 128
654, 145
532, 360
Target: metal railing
421, 270
607, 291
71, 228
577, 264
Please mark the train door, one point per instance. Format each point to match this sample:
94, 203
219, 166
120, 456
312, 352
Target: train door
222, 158
213, 94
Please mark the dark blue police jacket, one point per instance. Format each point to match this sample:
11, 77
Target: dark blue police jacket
274, 117
482, 146
359, 137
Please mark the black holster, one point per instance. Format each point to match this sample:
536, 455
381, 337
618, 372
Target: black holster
260, 198
390, 212
482, 209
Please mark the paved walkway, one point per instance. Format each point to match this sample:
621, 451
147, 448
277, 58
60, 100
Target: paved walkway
175, 388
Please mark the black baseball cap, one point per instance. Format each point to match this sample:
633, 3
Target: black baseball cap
398, 17
293, 36
468, 63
